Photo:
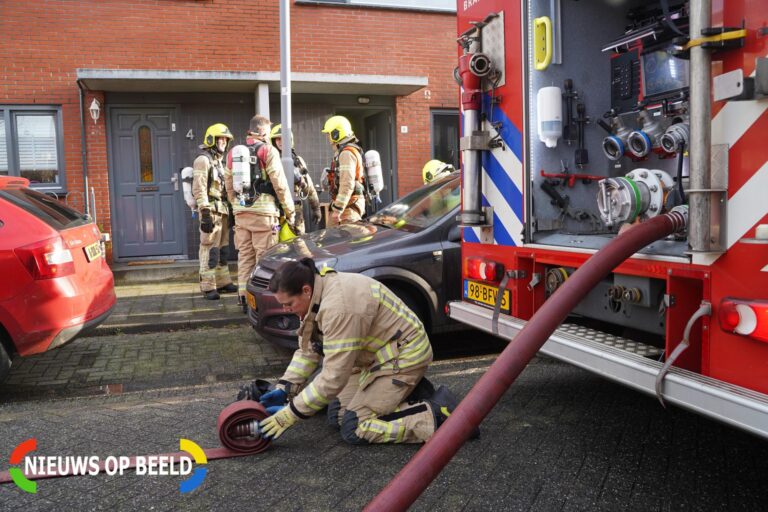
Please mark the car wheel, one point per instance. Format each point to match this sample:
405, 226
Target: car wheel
411, 300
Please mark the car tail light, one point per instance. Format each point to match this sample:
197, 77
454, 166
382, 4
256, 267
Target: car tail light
745, 317
47, 259
484, 270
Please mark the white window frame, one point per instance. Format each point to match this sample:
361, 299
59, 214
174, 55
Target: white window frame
9, 113
409, 5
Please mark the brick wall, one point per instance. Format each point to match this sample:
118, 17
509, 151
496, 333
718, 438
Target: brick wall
44, 42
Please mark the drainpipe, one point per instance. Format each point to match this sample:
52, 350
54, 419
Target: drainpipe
84, 148
700, 236
411, 481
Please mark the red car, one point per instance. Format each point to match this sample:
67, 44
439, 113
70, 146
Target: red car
56, 283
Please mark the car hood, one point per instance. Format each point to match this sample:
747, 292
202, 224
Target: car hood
360, 238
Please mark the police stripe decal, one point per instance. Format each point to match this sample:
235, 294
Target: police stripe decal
503, 180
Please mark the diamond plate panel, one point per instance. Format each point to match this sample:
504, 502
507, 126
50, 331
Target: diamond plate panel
492, 41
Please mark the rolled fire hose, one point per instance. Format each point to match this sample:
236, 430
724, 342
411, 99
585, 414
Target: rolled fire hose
411, 481
235, 425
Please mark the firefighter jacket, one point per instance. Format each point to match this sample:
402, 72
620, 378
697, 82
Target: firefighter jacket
355, 324
265, 203
350, 173
208, 176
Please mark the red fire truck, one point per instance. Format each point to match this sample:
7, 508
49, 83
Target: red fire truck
582, 119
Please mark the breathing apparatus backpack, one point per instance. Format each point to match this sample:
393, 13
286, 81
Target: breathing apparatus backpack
249, 172
362, 182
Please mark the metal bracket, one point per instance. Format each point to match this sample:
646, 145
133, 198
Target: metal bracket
669, 300
535, 279
479, 140
517, 274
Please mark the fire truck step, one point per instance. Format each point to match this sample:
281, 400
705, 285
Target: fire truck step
636, 347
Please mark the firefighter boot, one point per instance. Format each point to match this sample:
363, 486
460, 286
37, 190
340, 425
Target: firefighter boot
211, 295
229, 288
443, 403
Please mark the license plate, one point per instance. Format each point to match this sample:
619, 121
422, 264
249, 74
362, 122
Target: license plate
93, 251
251, 300
484, 294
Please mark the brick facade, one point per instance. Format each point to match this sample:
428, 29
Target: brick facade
45, 42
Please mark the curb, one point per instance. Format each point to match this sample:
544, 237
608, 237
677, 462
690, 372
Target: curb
175, 325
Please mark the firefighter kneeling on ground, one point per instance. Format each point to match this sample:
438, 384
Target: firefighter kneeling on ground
257, 218
303, 188
209, 175
435, 169
374, 353
346, 175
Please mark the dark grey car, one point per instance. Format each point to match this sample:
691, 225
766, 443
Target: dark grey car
412, 246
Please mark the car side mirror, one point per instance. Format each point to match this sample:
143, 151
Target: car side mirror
454, 234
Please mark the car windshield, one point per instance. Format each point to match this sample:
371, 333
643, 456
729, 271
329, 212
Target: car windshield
422, 207
44, 207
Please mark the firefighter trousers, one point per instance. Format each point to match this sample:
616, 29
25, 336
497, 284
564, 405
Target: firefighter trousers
379, 413
254, 234
214, 272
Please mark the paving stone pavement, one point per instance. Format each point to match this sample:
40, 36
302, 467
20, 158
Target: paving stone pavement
559, 439
123, 362
145, 307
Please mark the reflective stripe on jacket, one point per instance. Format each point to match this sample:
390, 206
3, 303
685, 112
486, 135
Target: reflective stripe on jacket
354, 324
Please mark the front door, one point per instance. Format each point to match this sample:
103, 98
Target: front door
147, 213
378, 136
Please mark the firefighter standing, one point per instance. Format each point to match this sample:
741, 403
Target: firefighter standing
303, 188
257, 219
435, 169
209, 174
346, 181
375, 352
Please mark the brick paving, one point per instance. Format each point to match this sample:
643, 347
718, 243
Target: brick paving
122, 362
560, 439
144, 307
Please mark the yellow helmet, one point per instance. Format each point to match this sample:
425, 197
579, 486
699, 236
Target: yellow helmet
435, 169
214, 132
338, 127
276, 133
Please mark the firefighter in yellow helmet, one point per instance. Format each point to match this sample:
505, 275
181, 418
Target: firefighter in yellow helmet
346, 175
303, 187
435, 169
257, 220
209, 175
374, 353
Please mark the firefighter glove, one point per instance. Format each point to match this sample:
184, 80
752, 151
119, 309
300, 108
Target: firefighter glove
273, 398
206, 221
316, 216
274, 426
275, 408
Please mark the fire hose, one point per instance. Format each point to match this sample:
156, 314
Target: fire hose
238, 432
411, 481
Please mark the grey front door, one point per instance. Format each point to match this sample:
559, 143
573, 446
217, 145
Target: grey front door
147, 215
378, 136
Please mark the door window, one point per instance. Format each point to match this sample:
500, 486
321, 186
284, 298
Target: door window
445, 136
145, 155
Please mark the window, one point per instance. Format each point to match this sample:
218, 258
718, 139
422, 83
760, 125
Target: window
445, 136
31, 146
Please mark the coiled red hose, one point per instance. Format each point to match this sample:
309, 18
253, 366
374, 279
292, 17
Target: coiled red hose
411, 481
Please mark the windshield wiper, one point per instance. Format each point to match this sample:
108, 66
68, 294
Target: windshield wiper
389, 226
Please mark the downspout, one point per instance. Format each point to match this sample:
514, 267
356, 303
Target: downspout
84, 148
700, 235
411, 481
